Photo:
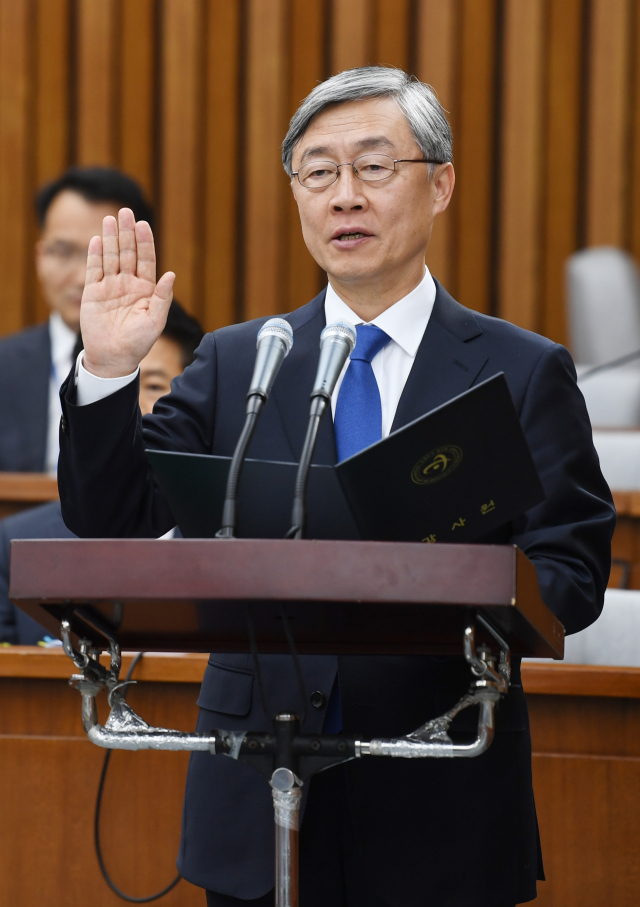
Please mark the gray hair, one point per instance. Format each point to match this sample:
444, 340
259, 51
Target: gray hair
417, 100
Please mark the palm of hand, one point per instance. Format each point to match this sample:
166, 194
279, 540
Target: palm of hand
123, 310
119, 308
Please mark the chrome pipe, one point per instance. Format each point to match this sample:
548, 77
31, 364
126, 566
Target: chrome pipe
414, 748
287, 796
125, 730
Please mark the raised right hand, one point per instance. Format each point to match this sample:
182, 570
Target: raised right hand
123, 310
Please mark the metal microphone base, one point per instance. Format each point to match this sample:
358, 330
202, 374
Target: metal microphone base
286, 757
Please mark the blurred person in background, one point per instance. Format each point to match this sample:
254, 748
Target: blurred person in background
34, 362
172, 352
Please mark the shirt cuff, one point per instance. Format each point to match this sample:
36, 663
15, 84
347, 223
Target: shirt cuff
90, 388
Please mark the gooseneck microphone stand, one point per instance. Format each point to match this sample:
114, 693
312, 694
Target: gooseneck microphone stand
337, 342
275, 339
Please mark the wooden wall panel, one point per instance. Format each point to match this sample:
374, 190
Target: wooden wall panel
52, 102
634, 165
435, 63
97, 132
543, 97
182, 134
52, 112
475, 155
520, 170
16, 147
137, 88
49, 775
264, 241
392, 35
222, 164
351, 33
608, 130
308, 60
561, 185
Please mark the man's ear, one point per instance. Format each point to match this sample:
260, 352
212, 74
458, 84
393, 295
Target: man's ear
444, 179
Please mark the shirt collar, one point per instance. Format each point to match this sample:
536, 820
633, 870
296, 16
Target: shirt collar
63, 339
405, 321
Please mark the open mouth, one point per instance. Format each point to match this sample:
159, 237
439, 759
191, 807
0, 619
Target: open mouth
345, 237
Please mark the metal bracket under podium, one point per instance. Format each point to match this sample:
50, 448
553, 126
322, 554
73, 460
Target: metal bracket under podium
285, 757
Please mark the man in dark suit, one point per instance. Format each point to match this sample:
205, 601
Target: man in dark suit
172, 352
34, 362
400, 833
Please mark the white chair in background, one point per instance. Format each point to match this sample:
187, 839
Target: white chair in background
603, 289
619, 454
614, 639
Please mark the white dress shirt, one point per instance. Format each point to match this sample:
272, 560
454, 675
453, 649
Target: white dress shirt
405, 322
63, 340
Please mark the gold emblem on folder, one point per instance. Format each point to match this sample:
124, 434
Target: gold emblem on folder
436, 465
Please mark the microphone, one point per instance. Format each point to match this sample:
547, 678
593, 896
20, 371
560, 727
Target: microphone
275, 339
337, 342
274, 342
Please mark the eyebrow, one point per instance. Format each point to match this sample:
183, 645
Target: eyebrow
374, 141
154, 373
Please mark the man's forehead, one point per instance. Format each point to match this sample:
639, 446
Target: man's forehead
375, 122
70, 211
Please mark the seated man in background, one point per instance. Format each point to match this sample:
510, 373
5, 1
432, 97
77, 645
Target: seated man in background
172, 352
35, 361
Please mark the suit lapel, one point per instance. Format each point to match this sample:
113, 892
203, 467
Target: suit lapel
293, 387
447, 362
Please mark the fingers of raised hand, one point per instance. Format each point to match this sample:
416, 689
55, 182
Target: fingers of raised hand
94, 261
110, 246
127, 241
146, 265
161, 299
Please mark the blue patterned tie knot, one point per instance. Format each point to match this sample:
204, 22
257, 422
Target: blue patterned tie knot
370, 341
358, 417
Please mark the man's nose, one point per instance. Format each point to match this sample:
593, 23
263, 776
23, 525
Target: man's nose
79, 270
348, 190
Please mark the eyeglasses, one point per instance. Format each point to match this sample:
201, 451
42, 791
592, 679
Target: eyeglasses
65, 254
368, 167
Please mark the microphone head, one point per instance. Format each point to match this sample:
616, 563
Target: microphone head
343, 329
277, 327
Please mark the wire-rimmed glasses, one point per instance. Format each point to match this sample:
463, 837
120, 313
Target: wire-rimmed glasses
368, 167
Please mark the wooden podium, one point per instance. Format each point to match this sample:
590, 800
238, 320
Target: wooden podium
341, 597
279, 595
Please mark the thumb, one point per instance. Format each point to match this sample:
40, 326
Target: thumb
164, 287
162, 296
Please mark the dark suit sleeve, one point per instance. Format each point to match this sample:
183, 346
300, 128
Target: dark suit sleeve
568, 537
107, 488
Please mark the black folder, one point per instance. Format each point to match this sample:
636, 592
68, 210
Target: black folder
453, 475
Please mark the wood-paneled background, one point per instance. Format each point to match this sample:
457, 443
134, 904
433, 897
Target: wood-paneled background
192, 97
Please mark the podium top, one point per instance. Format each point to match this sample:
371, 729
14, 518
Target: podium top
193, 595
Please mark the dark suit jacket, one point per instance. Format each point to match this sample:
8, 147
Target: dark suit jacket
25, 367
44, 522
417, 821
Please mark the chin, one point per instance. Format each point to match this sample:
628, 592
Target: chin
351, 272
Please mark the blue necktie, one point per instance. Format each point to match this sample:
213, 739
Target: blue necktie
358, 417
357, 424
